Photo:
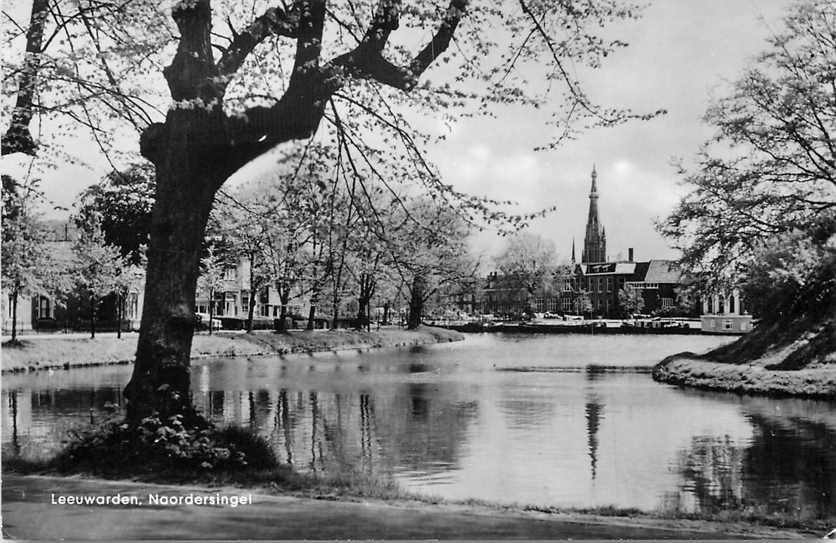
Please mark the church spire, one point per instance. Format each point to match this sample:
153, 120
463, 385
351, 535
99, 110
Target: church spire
573, 250
594, 243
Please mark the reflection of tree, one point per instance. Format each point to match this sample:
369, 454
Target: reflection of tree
13, 408
713, 466
789, 467
792, 466
285, 424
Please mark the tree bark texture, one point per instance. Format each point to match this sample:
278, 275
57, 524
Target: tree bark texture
18, 138
251, 300
187, 179
416, 302
15, 296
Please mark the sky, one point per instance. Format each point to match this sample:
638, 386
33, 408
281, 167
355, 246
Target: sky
681, 53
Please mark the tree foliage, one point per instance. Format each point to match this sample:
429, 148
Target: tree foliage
99, 269
631, 300
122, 201
768, 178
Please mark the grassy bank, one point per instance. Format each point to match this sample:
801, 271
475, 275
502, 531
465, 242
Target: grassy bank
35, 353
374, 492
795, 358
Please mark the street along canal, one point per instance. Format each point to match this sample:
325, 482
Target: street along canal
554, 420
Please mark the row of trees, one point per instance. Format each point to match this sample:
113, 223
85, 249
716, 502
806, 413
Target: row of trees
356, 240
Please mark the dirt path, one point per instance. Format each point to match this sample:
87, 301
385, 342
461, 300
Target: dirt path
29, 512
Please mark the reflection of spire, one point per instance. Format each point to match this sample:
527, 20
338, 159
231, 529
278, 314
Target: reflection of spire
594, 414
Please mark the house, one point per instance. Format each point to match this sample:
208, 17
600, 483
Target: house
42, 312
725, 313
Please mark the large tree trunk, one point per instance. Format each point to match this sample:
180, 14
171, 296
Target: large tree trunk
92, 316
362, 306
284, 297
186, 183
211, 308
416, 302
311, 316
15, 296
386, 309
118, 316
18, 138
251, 300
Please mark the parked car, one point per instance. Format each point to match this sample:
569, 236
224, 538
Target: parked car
202, 322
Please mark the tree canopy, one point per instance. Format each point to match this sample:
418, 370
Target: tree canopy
768, 178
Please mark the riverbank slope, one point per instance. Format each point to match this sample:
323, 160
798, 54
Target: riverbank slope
41, 353
796, 358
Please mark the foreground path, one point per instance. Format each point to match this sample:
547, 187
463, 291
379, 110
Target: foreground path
29, 513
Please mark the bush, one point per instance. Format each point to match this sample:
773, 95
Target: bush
164, 446
794, 274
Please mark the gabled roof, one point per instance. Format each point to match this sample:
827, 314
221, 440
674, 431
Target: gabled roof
663, 271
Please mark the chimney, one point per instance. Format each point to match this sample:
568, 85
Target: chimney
630, 254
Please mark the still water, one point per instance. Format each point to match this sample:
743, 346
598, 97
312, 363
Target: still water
571, 421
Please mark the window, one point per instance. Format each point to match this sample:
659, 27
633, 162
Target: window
43, 308
133, 305
230, 274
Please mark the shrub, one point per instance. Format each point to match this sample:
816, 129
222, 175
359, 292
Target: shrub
164, 446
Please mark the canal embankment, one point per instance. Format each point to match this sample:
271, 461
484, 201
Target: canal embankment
786, 359
35, 353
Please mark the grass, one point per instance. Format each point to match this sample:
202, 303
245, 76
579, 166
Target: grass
54, 353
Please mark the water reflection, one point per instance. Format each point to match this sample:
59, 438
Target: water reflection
442, 421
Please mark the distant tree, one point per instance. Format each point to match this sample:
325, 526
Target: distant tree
123, 202
582, 303
243, 226
528, 262
211, 280
97, 267
429, 252
631, 300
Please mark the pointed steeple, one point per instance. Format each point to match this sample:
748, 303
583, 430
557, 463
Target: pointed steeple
594, 243
573, 250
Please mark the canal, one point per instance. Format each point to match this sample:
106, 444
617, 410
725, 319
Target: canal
550, 420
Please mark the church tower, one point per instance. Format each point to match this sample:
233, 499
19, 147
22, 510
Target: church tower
595, 240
